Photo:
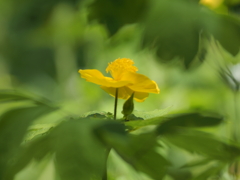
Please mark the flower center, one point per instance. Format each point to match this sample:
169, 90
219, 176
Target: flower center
120, 66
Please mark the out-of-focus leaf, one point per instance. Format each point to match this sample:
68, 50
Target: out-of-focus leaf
78, 152
10, 95
179, 174
174, 27
197, 163
229, 80
137, 150
211, 171
13, 126
38, 130
31, 14
116, 13
203, 143
188, 120
234, 6
37, 150
6, 95
225, 29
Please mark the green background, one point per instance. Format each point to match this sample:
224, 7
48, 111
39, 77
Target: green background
191, 127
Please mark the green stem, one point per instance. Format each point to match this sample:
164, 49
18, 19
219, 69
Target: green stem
115, 104
109, 149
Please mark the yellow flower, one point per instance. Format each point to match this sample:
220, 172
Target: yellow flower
124, 77
213, 4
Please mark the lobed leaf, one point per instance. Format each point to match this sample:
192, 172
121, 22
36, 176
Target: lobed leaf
137, 150
188, 120
145, 118
13, 126
172, 28
11, 95
175, 27
211, 171
74, 146
203, 143
117, 13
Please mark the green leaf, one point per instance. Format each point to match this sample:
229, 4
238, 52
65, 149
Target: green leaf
179, 174
151, 114
188, 120
117, 13
137, 150
172, 28
32, 14
203, 143
37, 150
10, 95
211, 171
38, 130
146, 118
135, 124
79, 153
194, 163
98, 115
225, 29
74, 144
13, 127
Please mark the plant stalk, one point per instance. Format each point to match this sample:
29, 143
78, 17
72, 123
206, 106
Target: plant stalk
115, 104
109, 149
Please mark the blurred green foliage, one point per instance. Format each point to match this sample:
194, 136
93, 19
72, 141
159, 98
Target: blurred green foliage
55, 126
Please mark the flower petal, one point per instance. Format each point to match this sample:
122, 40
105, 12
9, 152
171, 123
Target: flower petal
140, 83
95, 76
140, 96
123, 92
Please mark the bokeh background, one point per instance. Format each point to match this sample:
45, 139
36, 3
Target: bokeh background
44, 44
188, 47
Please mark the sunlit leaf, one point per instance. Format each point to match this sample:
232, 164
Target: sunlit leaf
151, 114
38, 130
197, 163
146, 118
135, 124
